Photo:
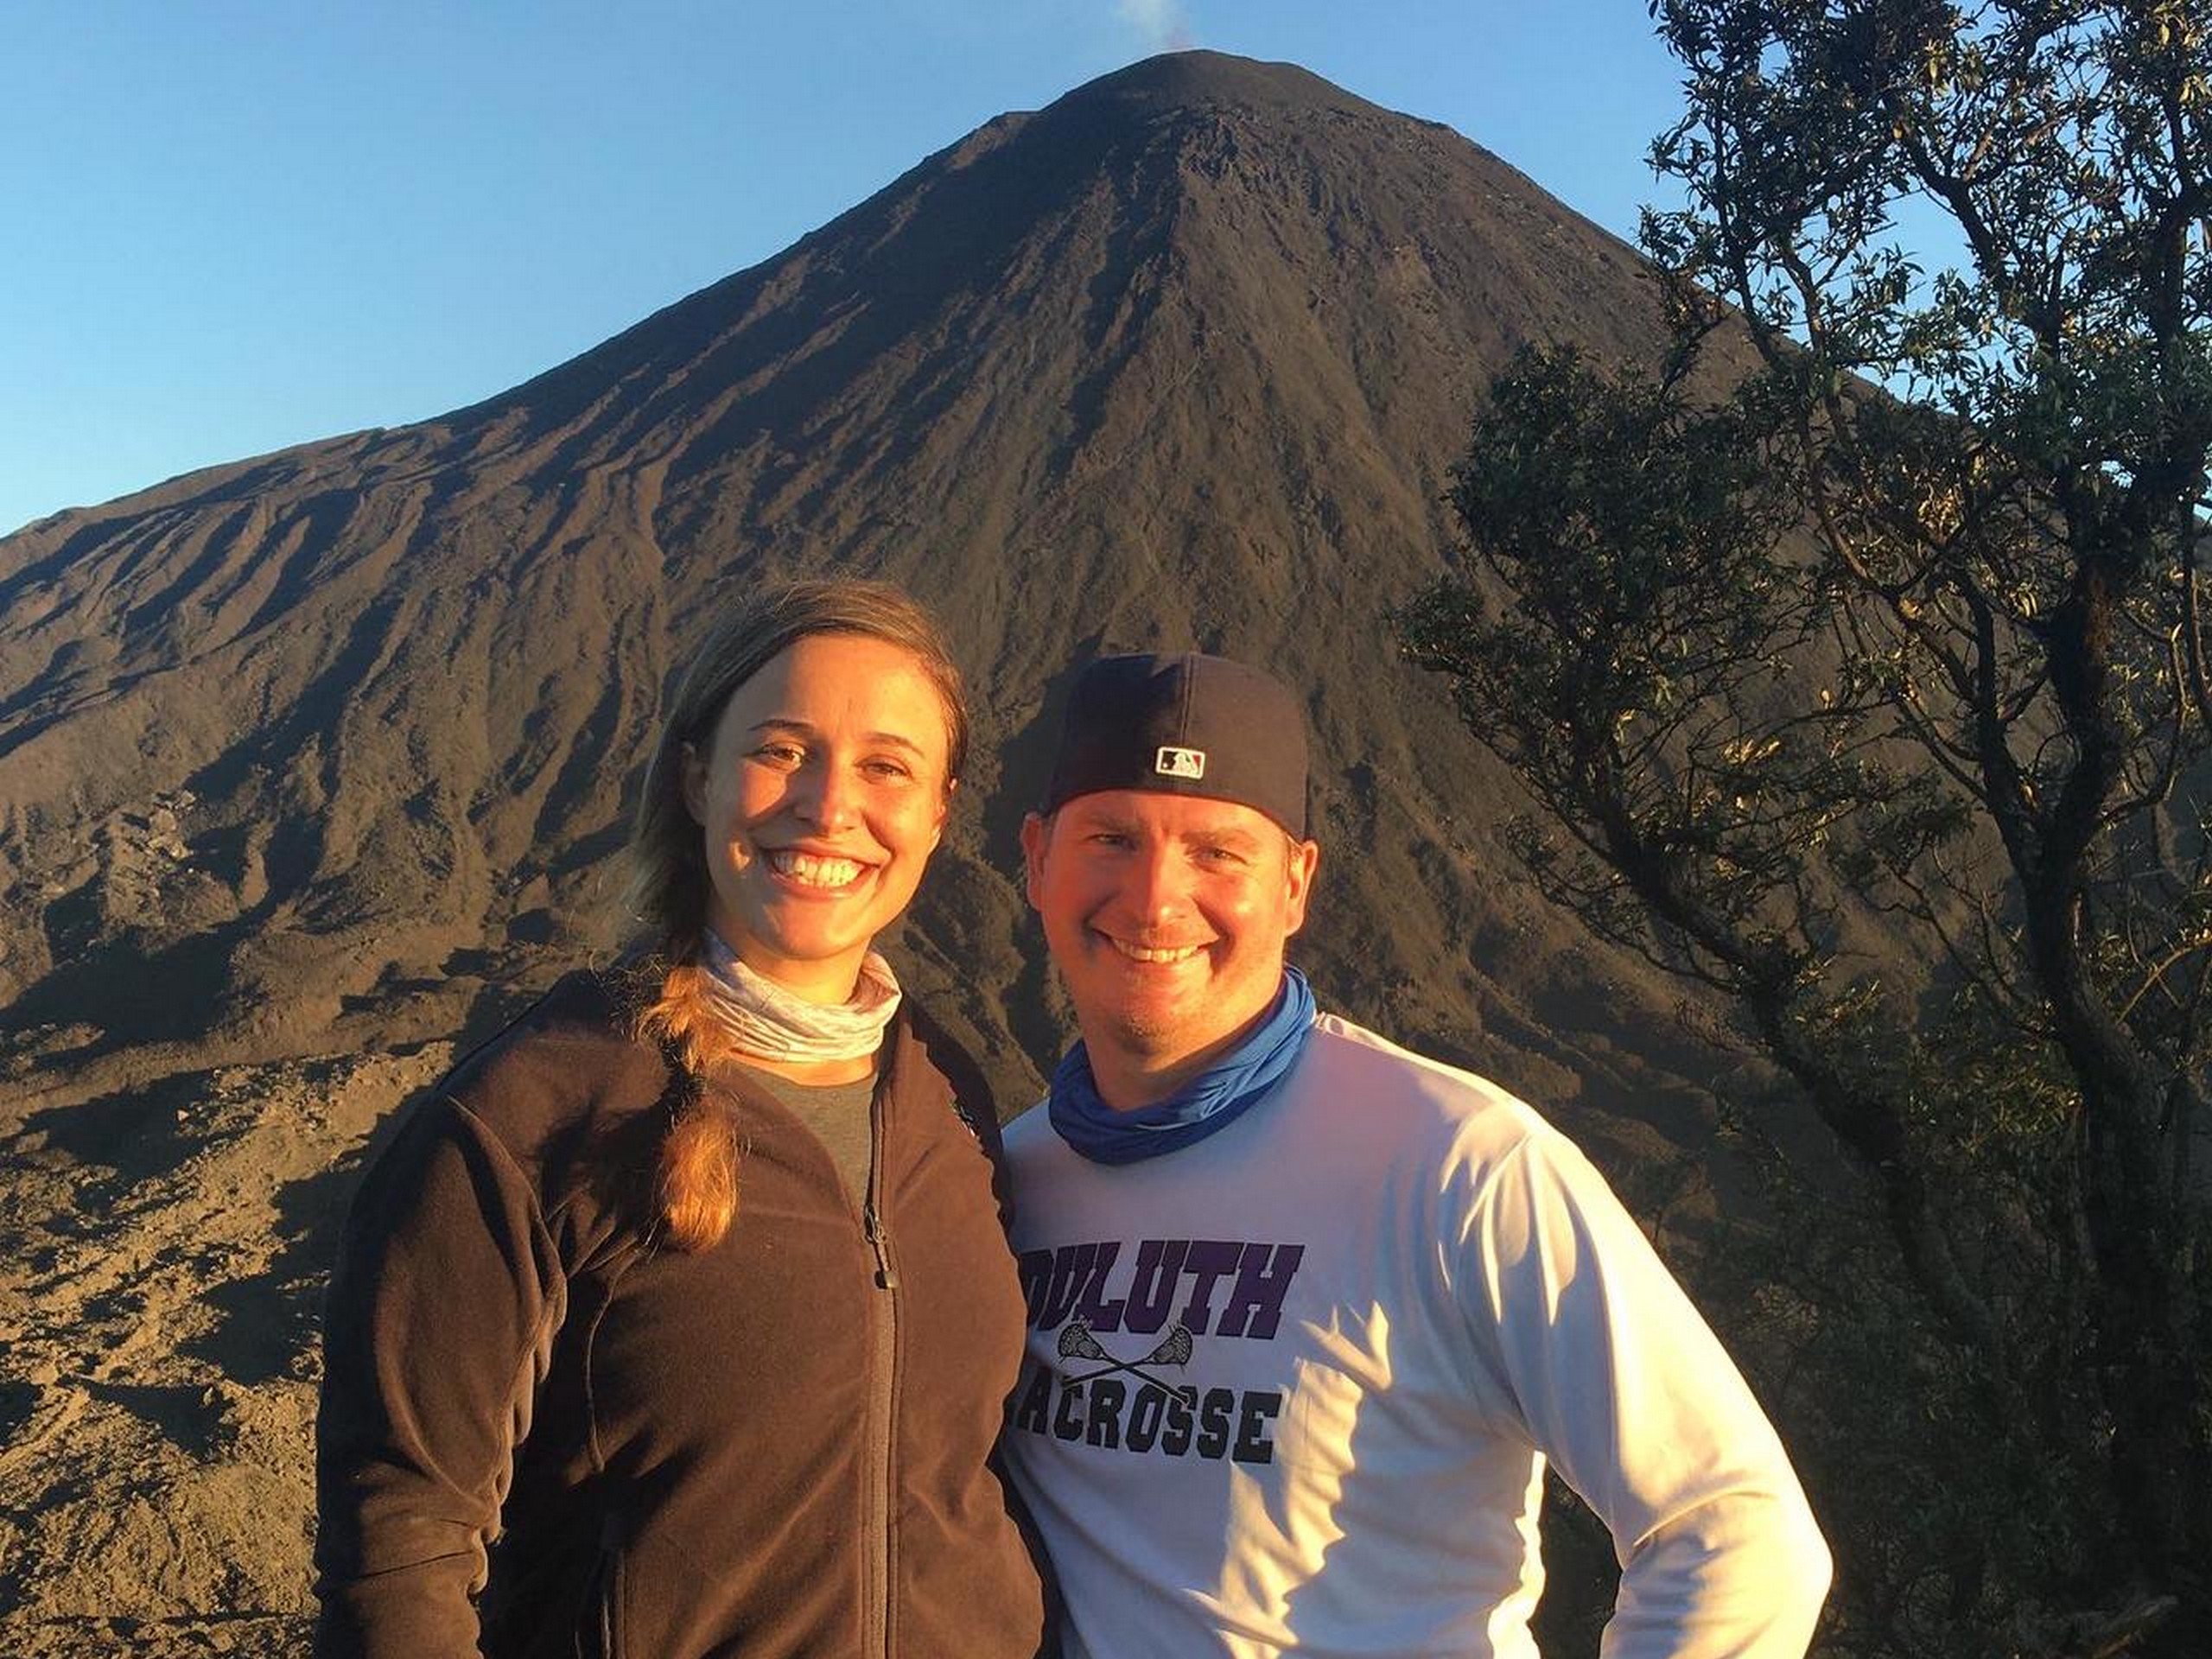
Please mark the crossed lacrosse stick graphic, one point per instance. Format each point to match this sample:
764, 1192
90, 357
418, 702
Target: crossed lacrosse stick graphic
1174, 1349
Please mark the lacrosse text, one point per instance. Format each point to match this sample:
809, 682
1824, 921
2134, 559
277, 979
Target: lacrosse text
1127, 1415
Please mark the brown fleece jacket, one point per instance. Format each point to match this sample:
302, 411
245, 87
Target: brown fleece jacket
760, 1448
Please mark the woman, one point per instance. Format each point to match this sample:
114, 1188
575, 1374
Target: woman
690, 1286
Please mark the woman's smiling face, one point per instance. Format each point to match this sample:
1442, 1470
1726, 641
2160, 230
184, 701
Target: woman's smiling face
820, 796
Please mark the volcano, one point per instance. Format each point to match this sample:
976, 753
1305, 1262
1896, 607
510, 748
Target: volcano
313, 764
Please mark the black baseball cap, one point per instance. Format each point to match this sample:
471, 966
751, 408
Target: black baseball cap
1184, 725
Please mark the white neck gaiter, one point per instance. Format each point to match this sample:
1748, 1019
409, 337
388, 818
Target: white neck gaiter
765, 1019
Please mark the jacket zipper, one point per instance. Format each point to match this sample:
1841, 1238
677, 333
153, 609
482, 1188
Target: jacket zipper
884, 1338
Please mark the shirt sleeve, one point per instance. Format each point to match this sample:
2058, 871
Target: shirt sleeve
439, 1326
1621, 1385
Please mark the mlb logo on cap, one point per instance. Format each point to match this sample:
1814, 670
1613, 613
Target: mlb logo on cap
1180, 763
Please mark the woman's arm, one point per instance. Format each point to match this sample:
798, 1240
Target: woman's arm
439, 1326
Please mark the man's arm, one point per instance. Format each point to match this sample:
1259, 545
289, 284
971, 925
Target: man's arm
1622, 1385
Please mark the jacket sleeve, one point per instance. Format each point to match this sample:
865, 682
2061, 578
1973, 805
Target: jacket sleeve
440, 1322
1622, 1385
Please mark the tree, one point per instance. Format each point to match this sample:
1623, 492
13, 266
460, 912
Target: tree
1899, 633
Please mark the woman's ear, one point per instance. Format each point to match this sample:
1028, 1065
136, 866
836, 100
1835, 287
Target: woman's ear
695, 783
944, 811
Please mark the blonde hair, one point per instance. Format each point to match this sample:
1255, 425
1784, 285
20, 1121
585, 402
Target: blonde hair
695, 1194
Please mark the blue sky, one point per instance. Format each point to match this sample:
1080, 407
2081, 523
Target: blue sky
236, 226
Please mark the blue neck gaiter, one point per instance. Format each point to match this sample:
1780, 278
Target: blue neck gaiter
1210, 1101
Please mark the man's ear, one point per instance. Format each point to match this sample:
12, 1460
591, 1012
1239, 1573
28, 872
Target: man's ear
1035, 833
1302, 859
695, 785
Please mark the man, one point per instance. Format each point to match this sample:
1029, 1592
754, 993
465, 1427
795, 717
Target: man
1309, 1313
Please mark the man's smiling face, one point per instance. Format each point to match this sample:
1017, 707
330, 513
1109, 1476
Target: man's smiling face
1167, 915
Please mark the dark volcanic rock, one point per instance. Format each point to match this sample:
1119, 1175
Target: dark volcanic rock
1182, 360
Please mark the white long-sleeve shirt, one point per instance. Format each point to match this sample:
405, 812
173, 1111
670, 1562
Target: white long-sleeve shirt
1293, 1388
